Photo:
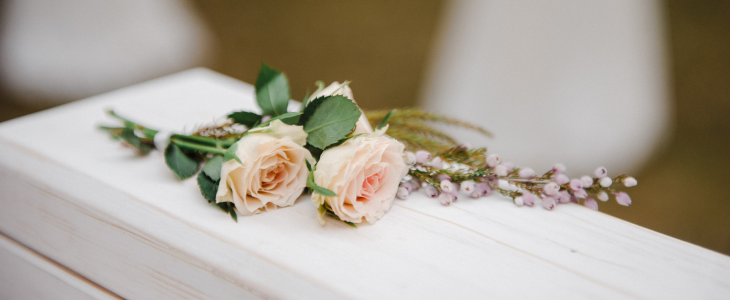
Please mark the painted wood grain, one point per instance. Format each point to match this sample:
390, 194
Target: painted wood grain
126, 223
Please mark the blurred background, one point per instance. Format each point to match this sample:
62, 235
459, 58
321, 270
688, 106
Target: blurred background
637, 86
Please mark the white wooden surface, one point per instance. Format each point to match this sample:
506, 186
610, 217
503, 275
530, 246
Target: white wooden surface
126, 223
25, 274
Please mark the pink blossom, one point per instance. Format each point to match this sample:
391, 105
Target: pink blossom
493, 160
605, 182
587, 181
407, 185
528, 198
561, 179
442, 177
590, 203
468, 186
446, 186
415, 183
526, 173
603, 196
402, 193
623, 199
446, 198
437, 163
558, 168
551, 188
629, 181
582, 194
548, 203
563, 197
509, 165
431, 191
576, 184
422, 156
265, 118
600, 172
501, 170
483, 188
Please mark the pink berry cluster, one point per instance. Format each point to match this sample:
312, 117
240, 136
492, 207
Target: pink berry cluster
443, 180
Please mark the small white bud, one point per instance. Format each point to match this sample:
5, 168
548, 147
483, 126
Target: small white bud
468, 186
402, 193
551, 188
601, 172
446, 198
493, 160
437, 163
446, 186
509, 165
410, 158
561, 179
500, 170
558, 168
422, 156
431, 191
519, 201
606, 181
526, 173
587, 181
603, 196
576, 184
630, 181
582, 194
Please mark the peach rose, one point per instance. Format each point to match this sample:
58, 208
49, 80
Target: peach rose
273, 173
364, 172
336, 88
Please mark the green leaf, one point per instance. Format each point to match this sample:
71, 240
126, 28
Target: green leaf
289, 118
330, 120
353, 225
318, 189
208, 187
272, 91
213, 167
246, 118
231, 154
128, 136
225, 206
232, 211
183, 165
385, 119
309, 166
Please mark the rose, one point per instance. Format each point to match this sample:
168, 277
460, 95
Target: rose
273, 172
336, 88
364, 172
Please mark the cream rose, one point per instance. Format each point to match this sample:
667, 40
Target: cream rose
336, 88
273, 173
364, 172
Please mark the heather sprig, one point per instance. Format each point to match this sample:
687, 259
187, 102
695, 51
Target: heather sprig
477, 174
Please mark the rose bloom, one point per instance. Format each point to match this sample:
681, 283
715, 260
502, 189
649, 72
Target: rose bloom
273, 173
362, 125
364, 172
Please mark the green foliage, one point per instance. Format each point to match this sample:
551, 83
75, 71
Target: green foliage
414, 128
318, 189
183, 165
289, 118
231, 154
246, 118
272, 91
329, 120
133, 140
208, 187
385, 120
213, 167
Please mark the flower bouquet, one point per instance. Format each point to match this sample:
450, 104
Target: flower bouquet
255, 162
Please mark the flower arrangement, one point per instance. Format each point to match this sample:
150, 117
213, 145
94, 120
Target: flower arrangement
252, 163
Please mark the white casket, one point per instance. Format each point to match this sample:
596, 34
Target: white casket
103, 221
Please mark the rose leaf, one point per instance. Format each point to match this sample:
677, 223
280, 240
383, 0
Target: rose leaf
231, 154
318, 189
183, 165
246, 118
332, 120
208, 187
213, 167
128, 136
272, 91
